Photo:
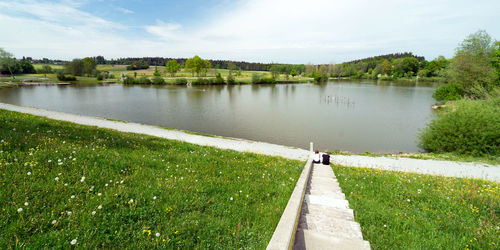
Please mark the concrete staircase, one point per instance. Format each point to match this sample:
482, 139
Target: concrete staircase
326, 221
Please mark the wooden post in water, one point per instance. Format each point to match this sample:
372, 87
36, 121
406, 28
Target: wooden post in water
311, 148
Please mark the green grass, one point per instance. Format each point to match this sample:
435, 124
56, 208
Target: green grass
489, 159
205, 197
411, 211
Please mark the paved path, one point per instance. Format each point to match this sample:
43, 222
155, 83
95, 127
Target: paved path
444, 168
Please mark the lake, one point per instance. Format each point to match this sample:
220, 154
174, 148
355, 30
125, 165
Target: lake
355, 116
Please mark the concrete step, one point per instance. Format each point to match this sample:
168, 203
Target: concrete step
328, 193
326, 202
328, 212
331, 226
306, 239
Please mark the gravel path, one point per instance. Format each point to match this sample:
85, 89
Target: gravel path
444, 168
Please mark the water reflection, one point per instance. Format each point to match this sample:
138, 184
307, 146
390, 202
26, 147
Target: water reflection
358, 116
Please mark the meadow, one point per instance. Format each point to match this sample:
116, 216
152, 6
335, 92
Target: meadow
412, 211
64, 185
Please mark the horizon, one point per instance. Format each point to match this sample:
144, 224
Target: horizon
258, 31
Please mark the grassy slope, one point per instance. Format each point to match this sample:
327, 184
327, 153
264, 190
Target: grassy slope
205, 197
411, 211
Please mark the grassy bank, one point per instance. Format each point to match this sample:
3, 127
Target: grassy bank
411, 211
489, 159
63, 183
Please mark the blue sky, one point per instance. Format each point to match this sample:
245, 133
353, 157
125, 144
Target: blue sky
285, 31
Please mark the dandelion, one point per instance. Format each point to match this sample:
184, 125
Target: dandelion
73, 242
99, 207
82, 179
57, 178
157, 234
26, 203
93, 212
19, 209
54, 222
29, 173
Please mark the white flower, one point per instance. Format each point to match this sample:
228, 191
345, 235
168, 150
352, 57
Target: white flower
157, 234
121, 182
131, 201
26, 203
69, 212
92, 188
99, 207
385, 225
74, 159
99, 194
49, 161
154, 197
408, 200
73, 242
93, 212
72, 197
54, 222
82, 179
231, 198
65, 184
106, 185
57, 178
59, 174
29, 173
19, 209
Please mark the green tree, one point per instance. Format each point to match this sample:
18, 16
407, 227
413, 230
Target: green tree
197, 65
471, 66
156, 73
7, 61
172, 67
75, 67
495, 62
89, 65
293, 72
275, 71
385, 67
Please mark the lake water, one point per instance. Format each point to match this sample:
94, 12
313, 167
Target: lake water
352, 116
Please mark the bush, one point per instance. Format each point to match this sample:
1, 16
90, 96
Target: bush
255, 78
202, 81
128, 80
158, 80
181, 81
230, 79
266, 80
219, 79
143, 80
62, 77
448, 92
472, 129
99, 77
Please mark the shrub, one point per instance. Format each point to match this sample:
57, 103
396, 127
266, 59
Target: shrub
472, 129
266, 80
99, 77
128, 80
448, 92
219, 79
62, 77
181, 81
230, 79
202, 81
143, 80
255, 78
158, 80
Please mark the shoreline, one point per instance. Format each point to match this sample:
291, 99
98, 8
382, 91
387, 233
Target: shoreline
433, 167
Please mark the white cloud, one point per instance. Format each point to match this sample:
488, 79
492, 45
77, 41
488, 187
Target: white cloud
125, 11
291, 31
